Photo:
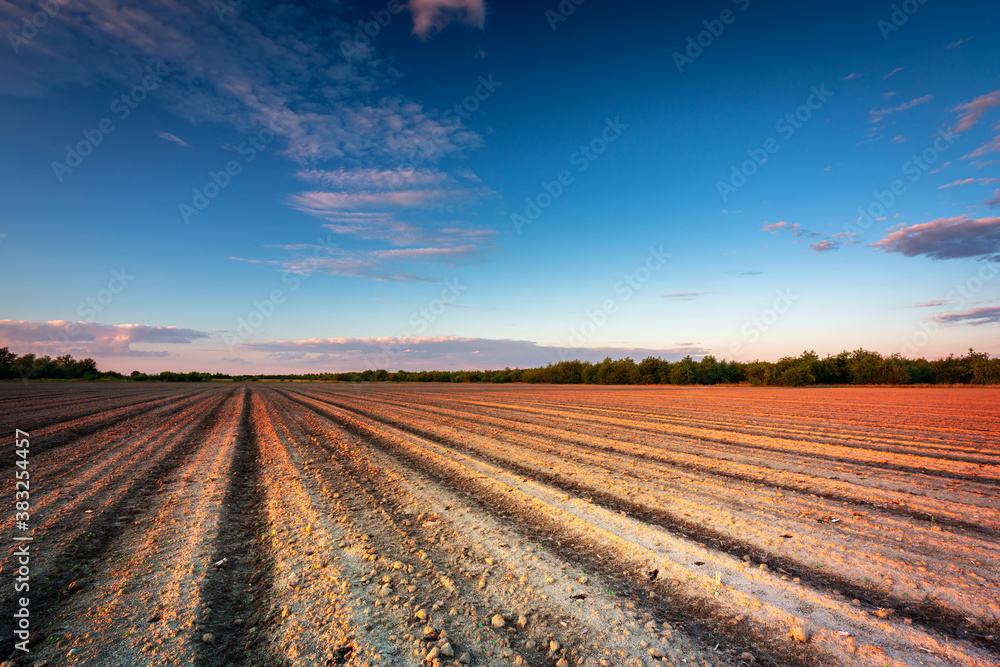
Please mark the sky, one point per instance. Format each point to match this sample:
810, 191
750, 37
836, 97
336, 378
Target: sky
264, 187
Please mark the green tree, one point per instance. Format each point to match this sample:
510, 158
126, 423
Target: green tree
983, 369
684, 372
7, 359
708, 370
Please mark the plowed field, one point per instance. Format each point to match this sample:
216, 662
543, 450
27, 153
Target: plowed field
333, 524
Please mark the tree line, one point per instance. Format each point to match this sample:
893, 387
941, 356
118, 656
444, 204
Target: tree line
65, 367
858, 367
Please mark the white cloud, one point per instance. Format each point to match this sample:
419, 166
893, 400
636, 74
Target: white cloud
172, 138
246, 69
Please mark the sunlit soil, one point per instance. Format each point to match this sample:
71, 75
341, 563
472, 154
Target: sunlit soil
328, 524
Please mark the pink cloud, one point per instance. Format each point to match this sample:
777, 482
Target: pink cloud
995, 200
945, 238
369, 202
374, 179
428, 254
379, 226
989, 315
878, 114
989, 147
971, 112
824, 246
334, 202
58, 337
375, 226
964, 181
433, 15
892, 73
779, 225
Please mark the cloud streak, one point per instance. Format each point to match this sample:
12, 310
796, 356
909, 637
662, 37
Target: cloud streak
172, 138
274, 66
443, 353
992, 146
824, 246
971, 112
683, 296
410, 209
945, 238
382, 265
964, 181
878, 115
92, 339
976, 316
354, 180
775, 226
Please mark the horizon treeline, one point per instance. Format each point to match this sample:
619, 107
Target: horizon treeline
65, 367
858, 367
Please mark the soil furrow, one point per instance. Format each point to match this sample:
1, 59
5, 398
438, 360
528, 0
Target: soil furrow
71, 544
388, 436
926, 609
480, 567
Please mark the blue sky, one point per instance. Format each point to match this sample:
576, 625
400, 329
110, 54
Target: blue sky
245, 186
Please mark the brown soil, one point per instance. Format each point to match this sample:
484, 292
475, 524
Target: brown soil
331, 524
